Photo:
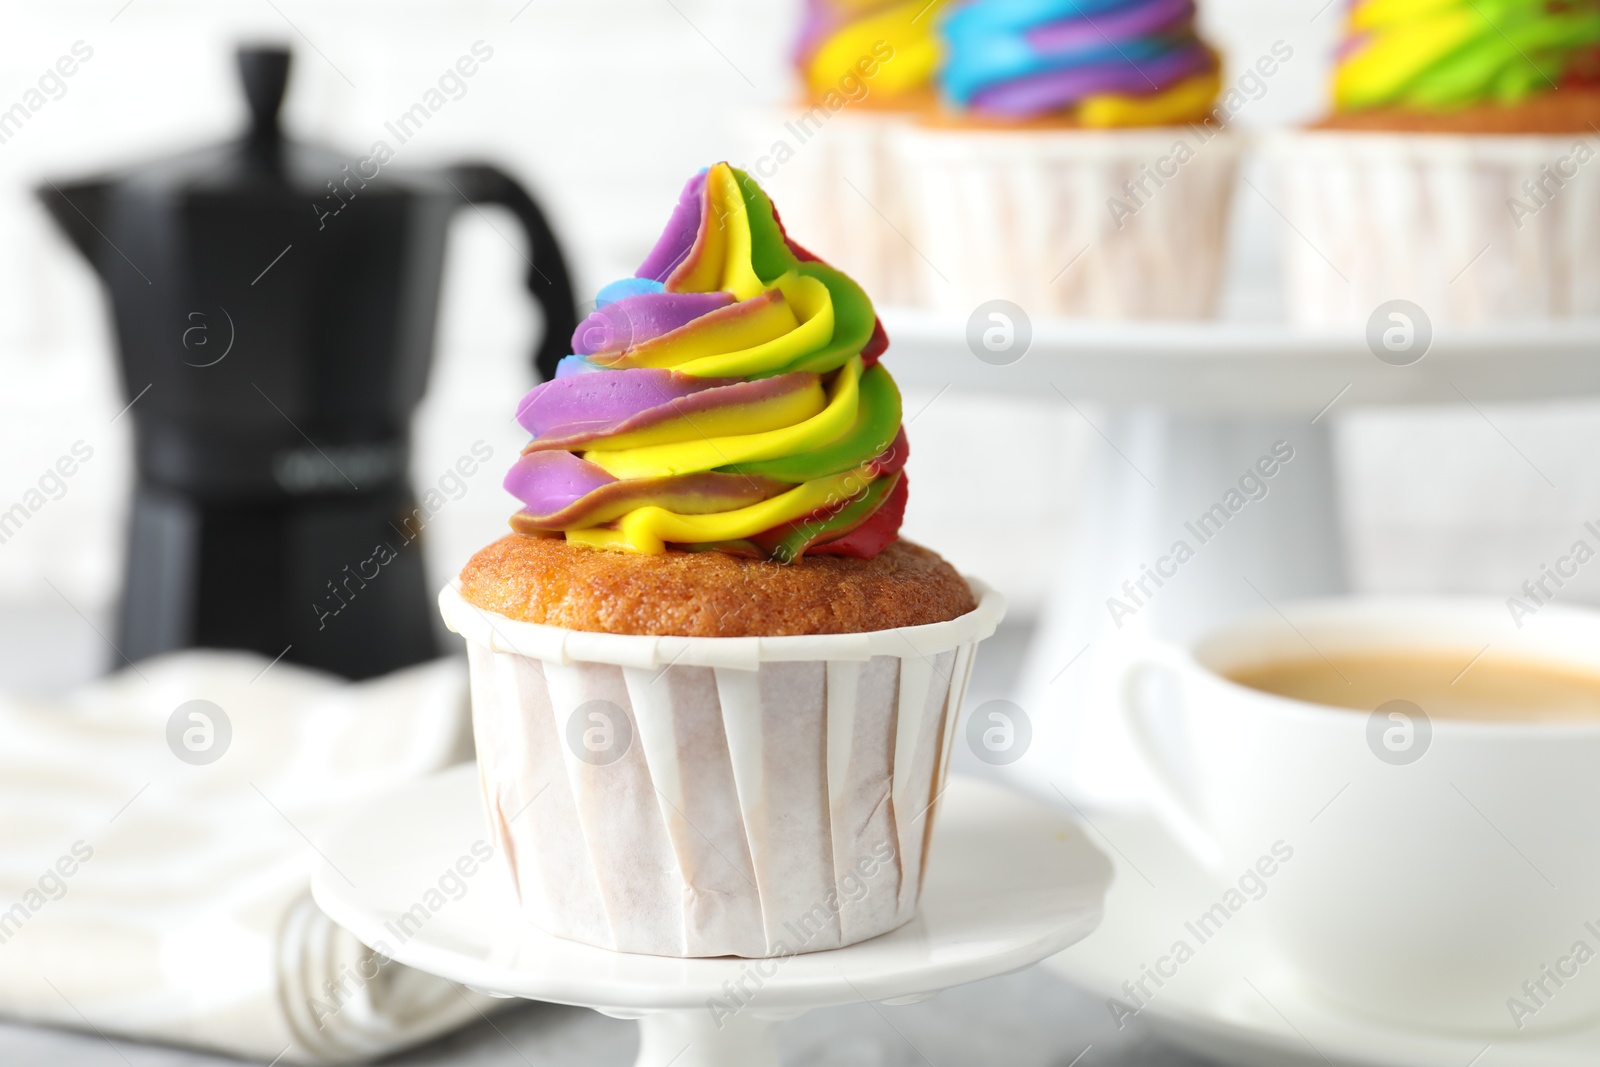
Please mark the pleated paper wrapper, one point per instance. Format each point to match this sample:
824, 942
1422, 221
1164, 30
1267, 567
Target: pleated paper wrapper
1442, 220
835, 181
1033, 216
776, 795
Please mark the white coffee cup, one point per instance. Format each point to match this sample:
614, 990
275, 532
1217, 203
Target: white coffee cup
1445, 874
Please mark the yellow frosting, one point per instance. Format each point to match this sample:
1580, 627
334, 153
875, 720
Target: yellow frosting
708, 453
909, 29
650, 529
1190, 100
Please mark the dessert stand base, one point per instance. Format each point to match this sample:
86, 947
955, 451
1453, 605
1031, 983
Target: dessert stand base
693, 1039
1009, 883
1249, 544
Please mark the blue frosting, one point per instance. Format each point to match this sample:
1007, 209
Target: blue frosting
1032, 57
626, 287
575, 365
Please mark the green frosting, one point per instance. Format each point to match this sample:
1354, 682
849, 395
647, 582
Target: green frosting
877, 421
1441, 54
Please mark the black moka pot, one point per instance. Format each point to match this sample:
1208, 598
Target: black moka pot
274, 306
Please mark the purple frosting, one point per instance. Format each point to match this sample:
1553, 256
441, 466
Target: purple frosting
677, 240
1027, 58
1045, 92
731, 393
603, 398
636, 319
817, 24
546, 482
1074, 34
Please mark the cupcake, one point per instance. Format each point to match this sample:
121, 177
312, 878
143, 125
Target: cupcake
1454, 170
1078, 164
863, 67
713, 691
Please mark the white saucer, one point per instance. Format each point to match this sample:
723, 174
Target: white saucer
1233, 1001
1010, 881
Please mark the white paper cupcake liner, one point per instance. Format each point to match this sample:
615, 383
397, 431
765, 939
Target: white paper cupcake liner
836, 183
1029, 216
755, 797
1431, 218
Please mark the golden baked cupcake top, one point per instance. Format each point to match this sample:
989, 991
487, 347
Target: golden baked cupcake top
712, 594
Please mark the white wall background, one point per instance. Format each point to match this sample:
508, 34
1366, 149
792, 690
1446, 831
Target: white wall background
605, 107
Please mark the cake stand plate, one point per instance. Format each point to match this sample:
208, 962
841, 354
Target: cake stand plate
1010, 882
1182, 412
1247, 368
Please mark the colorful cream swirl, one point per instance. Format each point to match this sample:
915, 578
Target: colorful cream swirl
726, 397
1103, 62
1441, 54
891, 47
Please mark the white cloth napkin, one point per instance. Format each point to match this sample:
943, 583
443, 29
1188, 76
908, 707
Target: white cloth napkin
147, 896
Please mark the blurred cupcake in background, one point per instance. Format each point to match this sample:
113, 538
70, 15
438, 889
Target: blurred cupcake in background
1457, 168
863, 67
1078, 164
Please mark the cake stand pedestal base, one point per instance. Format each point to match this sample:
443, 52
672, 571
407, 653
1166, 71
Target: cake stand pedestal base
1179, 529
695, 1039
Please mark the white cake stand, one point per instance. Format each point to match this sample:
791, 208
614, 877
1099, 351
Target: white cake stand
1010, 882
1185, 409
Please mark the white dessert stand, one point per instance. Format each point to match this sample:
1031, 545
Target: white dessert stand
1189, 408
1010, 882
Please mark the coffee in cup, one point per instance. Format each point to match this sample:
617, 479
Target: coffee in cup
1454, 684
1436, 771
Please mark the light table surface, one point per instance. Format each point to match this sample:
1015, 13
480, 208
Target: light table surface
1029, 1019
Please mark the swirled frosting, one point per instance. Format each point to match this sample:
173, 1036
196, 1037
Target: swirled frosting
728, 396
1442, 54
1101, 62
891, 46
